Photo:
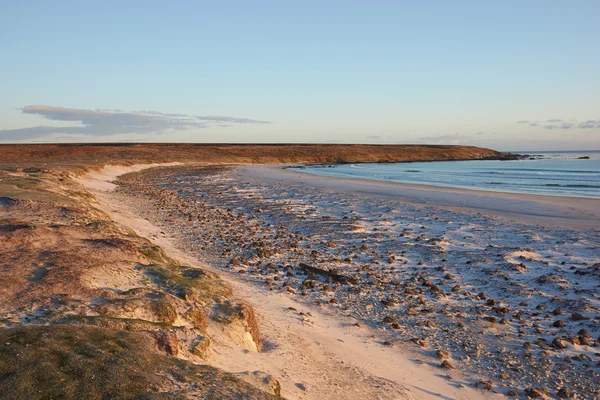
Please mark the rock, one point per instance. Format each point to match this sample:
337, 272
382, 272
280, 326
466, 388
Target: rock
574, 340
575, 316
584, 332
419, 341
559, 343
430, 324
446, 365
308, 284
558, 323
201, 347
389, 302
167, 342
565, 393
302, 387
512, 393
444, 355
487, 385
535, 393
586, 340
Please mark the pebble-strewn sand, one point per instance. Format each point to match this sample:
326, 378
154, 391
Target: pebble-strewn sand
514, 306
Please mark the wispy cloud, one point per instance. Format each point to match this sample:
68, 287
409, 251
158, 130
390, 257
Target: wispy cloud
108, 122
233, 120
589, 124
556, 123
564, 125
454, 137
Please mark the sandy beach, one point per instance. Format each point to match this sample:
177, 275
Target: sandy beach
556, 211
393, 290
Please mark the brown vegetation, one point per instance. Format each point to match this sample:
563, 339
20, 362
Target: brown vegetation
64, 264
101, 154
69, 362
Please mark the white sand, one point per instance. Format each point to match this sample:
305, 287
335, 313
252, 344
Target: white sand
319, 356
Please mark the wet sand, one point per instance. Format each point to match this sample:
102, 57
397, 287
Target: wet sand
556, 211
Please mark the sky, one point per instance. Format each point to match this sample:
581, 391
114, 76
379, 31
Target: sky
508, 75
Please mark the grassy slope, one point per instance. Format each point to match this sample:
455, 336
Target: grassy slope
62, 337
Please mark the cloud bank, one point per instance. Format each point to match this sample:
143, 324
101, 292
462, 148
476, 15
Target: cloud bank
556, 123
107, 122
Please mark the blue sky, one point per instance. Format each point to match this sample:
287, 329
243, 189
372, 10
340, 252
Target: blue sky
354, 72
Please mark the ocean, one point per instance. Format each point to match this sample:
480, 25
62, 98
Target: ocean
549, 173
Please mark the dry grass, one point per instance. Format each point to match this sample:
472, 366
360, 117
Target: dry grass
68, 156
69, 323
80, 362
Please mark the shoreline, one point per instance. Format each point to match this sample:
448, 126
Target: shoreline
320, 342
411, 272
300, 169
557, 211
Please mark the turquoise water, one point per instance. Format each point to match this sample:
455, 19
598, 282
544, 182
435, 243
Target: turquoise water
555, 173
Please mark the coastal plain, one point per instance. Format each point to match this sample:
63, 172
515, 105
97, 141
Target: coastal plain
284, 283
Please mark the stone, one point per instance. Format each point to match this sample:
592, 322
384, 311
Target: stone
444, 355
559, 343
200, 349
487, 385
535, 393
575, 316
